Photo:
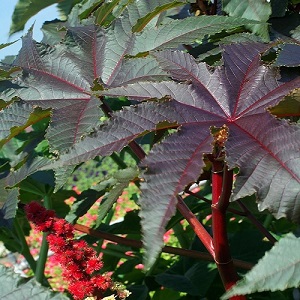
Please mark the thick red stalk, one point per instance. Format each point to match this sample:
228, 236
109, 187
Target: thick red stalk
221, 191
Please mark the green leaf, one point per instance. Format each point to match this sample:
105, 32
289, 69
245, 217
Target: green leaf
252, 10
151, 9
87, 7
24, 10
53, 32
296, 33
16, 117
194, 280
7, 72
136, 15
30, 166
61, 176
278, 270
9, 208
103, 15
279, 8
185, 31
13, 286
166, 293
83, 203
289, 106
6, 44
65, 6
123, 177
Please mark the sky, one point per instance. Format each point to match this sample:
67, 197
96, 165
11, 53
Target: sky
6, 11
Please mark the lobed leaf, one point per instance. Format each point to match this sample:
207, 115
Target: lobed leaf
25, 9
252, 10
271, 273
6, 44
116, 133
59, 88
14, 287
8, 206
289, 56
16, 117
120, 181
289, 106
236, 95
171, 166
185, 31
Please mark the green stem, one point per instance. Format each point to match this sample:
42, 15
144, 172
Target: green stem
41, 263
24, 246
118, 160
268, 220
43, 255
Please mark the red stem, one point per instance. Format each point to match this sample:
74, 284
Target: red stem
198, 228
167, 249
256, 222
221, 191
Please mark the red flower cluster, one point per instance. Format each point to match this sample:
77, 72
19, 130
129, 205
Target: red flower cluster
78, 260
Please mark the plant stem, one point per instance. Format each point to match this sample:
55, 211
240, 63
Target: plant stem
268, 220
221, 191
198, 228
43, 255
167, 249
259, 225
115, 157
40, 268
25, 249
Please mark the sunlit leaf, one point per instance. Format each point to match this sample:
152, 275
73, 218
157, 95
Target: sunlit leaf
13, 286
122, 180
236, 95
6, 45
252, 10
271, 273
185, 31
25, 9
16, 117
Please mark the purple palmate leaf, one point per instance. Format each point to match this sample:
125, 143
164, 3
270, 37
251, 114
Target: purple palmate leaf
237, 94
